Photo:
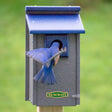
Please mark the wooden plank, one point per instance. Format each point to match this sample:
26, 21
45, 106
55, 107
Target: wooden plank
65, 70
78, 70
50, 109
26, 65
35, 69
31, 69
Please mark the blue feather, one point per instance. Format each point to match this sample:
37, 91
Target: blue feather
39, 74
46, 74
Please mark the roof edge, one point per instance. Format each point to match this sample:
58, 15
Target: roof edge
56, 31
53, 8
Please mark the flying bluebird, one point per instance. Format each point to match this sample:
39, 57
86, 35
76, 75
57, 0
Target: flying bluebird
48, 57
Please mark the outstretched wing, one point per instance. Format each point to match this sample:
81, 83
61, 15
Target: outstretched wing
40, 55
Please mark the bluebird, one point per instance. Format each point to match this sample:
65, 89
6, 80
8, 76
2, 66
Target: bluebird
48, 57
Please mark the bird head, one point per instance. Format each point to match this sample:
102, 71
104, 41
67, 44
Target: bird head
60, 44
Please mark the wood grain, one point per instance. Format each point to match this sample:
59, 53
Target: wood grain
50, 109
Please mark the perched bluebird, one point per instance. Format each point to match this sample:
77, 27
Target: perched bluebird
48, 57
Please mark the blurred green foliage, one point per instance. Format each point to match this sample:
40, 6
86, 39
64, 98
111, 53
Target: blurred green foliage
96, 55
107, 0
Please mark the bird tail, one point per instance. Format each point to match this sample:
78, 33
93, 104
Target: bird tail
49, 76
39, 74
46, 75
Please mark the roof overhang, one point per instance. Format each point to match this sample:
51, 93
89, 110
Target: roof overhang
58, 19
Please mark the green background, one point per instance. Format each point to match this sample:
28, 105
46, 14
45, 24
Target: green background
96, 55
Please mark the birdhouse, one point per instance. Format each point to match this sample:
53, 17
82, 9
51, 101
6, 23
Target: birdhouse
45, 24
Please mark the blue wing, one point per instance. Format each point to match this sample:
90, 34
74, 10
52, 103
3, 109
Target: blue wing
45, 55
40, 55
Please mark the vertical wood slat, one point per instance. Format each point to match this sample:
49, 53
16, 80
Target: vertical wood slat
26, 64
78, 69
33, 70
50, 109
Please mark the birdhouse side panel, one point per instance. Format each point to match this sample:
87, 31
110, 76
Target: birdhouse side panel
26, 64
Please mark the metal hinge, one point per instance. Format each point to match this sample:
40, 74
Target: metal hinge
76, 96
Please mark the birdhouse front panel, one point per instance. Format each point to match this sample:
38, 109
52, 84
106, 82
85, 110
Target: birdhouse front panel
65, 88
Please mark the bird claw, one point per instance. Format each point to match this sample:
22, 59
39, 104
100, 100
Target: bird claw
53, 57
47, 64
63, 50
